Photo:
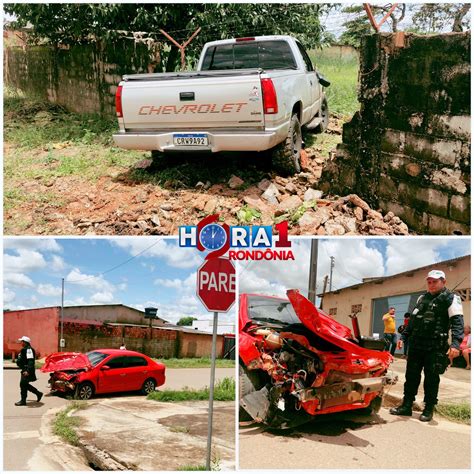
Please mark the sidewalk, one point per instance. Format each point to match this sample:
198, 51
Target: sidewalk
455, 385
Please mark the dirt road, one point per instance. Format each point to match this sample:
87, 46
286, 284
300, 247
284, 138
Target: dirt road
359, 442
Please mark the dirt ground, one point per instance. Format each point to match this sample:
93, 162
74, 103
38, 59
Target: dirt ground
148, 199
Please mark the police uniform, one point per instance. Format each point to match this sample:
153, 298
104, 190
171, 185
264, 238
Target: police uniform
427, 338
26, 362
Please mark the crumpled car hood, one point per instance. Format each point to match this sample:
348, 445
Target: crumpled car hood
66, 361
329, 329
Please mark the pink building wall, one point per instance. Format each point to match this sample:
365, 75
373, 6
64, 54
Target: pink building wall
40, 325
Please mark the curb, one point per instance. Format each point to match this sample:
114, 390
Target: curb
397, 400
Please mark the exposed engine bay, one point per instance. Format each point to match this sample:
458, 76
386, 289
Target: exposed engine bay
65, 381
290, 372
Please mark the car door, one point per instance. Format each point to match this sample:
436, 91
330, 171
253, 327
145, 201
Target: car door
113, 375
312, 81
137, 371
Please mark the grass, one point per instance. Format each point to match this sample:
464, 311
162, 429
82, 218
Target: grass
44, 141
194, 363
224, 391
458, 412
342, 71
64, 425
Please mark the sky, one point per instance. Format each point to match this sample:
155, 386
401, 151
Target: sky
355, 259
164, 276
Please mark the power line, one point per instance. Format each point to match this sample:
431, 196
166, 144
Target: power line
116, 266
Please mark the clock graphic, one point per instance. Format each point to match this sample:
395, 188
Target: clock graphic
213, 237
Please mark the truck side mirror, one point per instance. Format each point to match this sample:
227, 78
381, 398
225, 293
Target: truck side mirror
323, 81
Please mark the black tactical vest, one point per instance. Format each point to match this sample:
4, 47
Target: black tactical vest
431, 321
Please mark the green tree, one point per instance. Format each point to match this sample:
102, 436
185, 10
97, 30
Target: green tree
437, 17
359, 25
186, 321
70, 24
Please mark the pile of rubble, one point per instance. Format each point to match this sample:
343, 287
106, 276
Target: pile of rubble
294, 200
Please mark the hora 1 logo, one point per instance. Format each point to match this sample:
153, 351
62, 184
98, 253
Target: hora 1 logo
240, 242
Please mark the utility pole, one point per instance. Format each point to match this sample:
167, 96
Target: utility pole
61, 338
313, 267
325, 285
333, 259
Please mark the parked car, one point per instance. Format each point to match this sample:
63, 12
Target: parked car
296, 362
248, 94
103, 371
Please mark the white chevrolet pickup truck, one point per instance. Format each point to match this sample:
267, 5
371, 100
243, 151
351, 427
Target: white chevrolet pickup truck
248, 94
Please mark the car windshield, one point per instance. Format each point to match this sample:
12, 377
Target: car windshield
271, 310
96, 357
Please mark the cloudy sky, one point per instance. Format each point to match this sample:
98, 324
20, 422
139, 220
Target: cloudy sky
355, 259
163, 276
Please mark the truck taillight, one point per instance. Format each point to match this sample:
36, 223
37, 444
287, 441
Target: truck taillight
270, 102
118, 101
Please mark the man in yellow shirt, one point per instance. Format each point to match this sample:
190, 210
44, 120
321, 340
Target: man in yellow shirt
390, 330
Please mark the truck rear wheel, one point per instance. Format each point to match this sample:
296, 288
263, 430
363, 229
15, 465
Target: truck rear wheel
286, 156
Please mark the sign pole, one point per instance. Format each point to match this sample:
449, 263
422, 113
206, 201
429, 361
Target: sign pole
211, 393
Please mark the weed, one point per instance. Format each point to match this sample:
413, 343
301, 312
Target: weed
179, 429
193, 363
459, 412
64, 425
246, 215
224, 390
341, 70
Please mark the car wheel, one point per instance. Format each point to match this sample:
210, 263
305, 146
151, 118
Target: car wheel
148, 386
287, 155
324, 114
249, 381
84, 391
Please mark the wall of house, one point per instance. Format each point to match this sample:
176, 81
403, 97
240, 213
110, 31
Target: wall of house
408, 148
108, 313
40, 325
343, 301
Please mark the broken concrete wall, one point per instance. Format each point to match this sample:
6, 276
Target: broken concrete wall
408, 148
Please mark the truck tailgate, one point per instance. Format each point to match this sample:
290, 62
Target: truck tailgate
190, 101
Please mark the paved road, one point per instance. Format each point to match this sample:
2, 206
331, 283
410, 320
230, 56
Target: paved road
22, 424
382, 441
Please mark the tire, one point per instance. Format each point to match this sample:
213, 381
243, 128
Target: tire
148, 386
286, 156
324, 114
84, 391
249, 381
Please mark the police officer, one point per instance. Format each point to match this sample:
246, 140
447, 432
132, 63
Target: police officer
26, 361
436, 311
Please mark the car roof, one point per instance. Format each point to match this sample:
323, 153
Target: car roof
118, 352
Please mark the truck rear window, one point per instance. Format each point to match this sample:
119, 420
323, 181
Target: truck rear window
249, 55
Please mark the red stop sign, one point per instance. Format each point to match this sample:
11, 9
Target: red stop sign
216, 284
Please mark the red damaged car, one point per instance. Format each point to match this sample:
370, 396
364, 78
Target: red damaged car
103, 371
296, 362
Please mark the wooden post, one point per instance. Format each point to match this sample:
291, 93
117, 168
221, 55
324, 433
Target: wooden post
183, 46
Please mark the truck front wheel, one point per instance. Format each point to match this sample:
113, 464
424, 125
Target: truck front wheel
286, 156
